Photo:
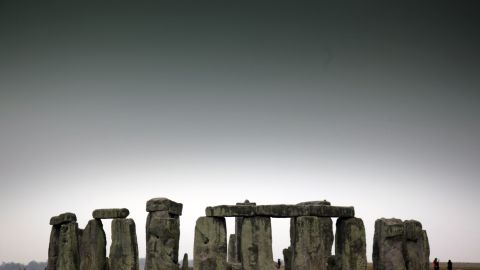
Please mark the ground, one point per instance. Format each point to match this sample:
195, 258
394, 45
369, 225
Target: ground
456, 266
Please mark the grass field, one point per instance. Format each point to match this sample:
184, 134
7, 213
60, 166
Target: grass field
456, 266
443, 266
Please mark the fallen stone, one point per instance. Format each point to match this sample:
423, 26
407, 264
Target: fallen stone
388, 245
163, 235
124, 247
110, 213
53, 247
280, 210
311, 242
210, 244
68, 249
93, 253
350, 244
164, 204
232, 248
256, 249
63, 218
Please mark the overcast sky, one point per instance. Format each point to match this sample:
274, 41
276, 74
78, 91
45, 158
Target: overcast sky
370, 105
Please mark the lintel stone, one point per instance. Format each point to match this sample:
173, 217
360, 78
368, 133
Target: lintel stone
164, 204
110, 213
63, 218
279, 210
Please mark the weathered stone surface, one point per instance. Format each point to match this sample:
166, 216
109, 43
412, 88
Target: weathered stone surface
287, 258
93, 253
110, 213
413, 230
350, 244
210, 244
238, 231
280, 210
232, 248
164, 204
333, 263
63, 218
68, 253
185, 262
53, 247
388, 245
231, 211
163, 235
414, 246
234, 266
324, 202
124, 247
256, 247
426, 250
400, 245
311, 241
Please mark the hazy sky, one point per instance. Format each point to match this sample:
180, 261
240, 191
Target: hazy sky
206, 103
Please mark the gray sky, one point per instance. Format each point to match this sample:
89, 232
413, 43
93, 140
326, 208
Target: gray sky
211, 103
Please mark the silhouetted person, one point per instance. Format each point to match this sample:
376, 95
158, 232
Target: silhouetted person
279, 264
449, 265
436, 264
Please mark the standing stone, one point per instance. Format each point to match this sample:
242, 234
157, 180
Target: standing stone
232, 248
256, 244
93, 254
311, 240
388, 245
210, 244
185, 262
53, 248
238, 232
333, 263
124, 247
426, 250
350, 244
287, 258
163, 235
414, 246
68, 253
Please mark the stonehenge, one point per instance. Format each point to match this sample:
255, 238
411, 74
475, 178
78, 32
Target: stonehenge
397, 245
311, 241
400, 245
163, 234
232, 248
71, 248
124, 247
350, 244
110, 213
256, 243
93, 254
63, 250
210, 244
185, 262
